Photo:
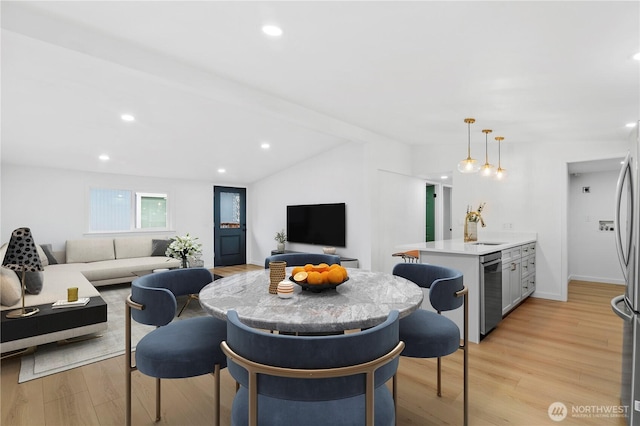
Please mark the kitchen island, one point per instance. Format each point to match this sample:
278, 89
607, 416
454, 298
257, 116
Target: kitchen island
517, 273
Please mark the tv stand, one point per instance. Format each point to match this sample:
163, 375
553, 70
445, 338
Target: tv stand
347, 262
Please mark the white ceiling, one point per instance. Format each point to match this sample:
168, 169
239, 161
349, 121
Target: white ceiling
207, 87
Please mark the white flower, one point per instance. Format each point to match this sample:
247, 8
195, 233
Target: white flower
181, 247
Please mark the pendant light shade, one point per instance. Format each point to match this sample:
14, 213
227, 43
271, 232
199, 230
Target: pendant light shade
468, 165
486, 169
500, 172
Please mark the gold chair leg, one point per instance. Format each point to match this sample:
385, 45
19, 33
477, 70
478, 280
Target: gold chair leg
189, 299
394, 387
439, 376
216, 396
157, 400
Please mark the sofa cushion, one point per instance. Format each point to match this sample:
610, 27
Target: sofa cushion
10, 292
123, 268
48, 252
44, 260
159, 247
90, 250
130, 247
58, 279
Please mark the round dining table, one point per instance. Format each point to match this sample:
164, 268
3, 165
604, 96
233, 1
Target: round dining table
363, 301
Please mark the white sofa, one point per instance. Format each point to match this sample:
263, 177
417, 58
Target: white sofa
86, 264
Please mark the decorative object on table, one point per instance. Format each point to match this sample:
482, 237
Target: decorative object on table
471, 223
22, 256
277, 273
281, 238
183, 247
329, 250
196, 261
320, 277
72, 294
70, 303
285, 289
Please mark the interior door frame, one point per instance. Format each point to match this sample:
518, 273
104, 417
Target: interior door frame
219, 258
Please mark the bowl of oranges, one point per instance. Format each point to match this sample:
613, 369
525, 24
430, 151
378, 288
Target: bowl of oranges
319, 277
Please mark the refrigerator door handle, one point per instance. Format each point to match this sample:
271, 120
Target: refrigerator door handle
627, 316
619, 187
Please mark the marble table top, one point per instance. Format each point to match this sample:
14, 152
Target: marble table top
365, 300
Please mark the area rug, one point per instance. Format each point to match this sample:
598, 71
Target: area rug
53, 358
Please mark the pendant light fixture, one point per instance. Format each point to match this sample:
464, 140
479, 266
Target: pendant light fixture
486, 169
468, 165
500, 172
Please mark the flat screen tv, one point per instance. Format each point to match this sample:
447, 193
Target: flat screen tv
323, 224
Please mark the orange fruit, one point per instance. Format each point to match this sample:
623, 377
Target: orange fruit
308, 267
297, 269
314, 278
335, 276
345, 274
300, 277
325, 277
321, 267
334, 266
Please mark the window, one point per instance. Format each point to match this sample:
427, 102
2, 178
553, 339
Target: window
121, 210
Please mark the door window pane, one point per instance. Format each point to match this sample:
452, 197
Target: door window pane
229, 210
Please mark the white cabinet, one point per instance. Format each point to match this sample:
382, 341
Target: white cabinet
518, 275
528, 269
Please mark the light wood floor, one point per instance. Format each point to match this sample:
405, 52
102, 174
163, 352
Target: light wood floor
545, 351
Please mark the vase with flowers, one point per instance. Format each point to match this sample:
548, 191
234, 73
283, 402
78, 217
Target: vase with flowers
184, 247
281, 237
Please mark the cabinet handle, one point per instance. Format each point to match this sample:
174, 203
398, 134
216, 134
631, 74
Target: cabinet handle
513, 266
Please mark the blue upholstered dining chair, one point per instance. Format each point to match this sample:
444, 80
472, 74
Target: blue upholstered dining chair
312, 380
428, 334
301, 259
175, 349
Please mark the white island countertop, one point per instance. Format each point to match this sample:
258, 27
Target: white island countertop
484, 245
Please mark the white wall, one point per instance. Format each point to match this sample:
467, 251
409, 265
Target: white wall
592, 252
401, 216
335, 177
53, 203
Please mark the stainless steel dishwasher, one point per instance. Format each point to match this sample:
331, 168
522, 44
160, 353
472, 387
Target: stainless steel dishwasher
490, 291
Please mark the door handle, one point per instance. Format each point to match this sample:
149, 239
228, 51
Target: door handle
614, 307
616, 217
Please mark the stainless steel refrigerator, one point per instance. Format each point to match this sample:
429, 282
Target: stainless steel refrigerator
627, 305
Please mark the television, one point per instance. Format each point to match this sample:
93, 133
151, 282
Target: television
322, 224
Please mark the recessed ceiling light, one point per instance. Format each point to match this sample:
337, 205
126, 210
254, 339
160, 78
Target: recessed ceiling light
630, 125
637, 56
265, 145
222, 171
104, 157
444, 177
272, 30
127, 117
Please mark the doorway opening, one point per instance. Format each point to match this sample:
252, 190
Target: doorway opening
438, 212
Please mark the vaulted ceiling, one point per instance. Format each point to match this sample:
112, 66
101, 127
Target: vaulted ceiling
207, 87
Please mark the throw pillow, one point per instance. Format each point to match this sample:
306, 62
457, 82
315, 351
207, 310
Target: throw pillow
33, 281
44, 260
159, 247
48, 251
10, 292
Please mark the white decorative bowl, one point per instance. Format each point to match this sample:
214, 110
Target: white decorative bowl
285, 289
329, 250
